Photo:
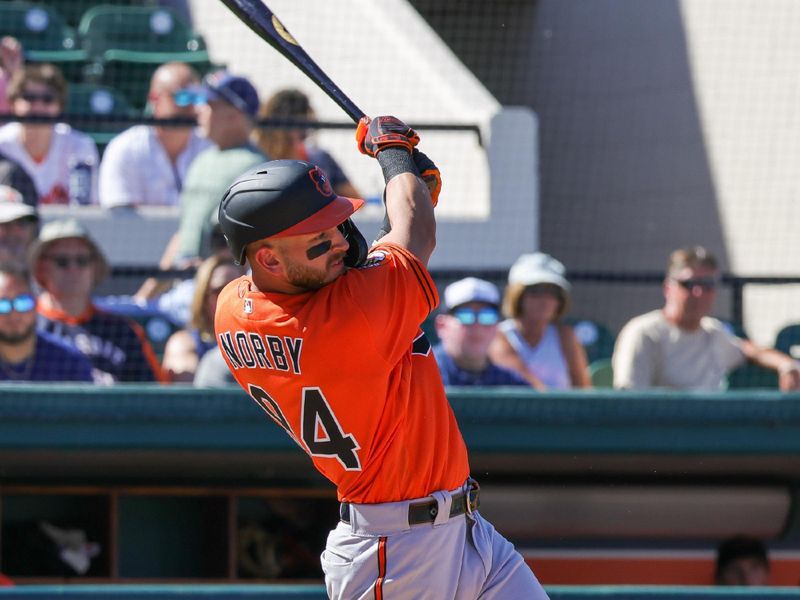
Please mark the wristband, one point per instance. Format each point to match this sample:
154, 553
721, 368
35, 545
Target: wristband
396, 160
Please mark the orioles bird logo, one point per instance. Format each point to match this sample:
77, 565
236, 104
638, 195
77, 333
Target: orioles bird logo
321, 181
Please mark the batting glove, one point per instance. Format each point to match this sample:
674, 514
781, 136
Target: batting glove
374, 135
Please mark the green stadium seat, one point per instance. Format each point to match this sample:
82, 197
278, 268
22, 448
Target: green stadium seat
102, 101
788, 340
73, 10
752, 376
152, 34
44, 35
128, 43
596, 338
601, 373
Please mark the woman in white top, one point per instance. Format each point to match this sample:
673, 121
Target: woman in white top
532, 341
47, 151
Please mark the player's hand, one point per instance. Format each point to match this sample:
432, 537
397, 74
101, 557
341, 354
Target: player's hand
430, 174
374, 135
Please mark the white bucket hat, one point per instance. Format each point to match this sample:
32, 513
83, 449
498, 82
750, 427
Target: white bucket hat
538, 267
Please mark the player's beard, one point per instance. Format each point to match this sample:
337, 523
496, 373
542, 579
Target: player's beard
308, 278
15, 339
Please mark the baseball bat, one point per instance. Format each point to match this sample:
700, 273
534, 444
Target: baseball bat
258, 17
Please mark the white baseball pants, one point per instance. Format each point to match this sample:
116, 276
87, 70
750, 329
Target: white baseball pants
379, 556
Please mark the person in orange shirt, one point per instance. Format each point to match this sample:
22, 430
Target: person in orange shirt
325, 336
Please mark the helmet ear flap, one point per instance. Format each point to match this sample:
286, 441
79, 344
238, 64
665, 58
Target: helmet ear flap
358, 248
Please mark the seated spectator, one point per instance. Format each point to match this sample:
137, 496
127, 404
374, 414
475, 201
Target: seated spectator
55, 155
742, 560
11, 61
146, 164
213, 371
186, 347
532, 341
465, 331
25, 354
68, 265
19, 223
14, 175
680, 346
226, 116
293, 143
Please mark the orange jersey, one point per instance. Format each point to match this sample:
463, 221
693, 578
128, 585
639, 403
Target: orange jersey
348, 373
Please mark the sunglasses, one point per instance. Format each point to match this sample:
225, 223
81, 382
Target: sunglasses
187, 98
481, 316
46, 98
707, 284
64, 261
24, 303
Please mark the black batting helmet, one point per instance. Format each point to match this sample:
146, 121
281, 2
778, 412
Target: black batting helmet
282, 198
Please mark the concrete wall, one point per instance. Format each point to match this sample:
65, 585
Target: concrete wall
662, 123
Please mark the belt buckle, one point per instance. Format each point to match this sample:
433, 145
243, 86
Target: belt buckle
472, 496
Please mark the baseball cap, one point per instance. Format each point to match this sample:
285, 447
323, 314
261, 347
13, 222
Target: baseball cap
234, 89
470, 289
13, 206
64, 229
538, 267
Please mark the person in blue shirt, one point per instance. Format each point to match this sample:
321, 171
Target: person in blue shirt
466, 328
26, 355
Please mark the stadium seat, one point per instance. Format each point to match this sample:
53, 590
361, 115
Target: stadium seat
127, 43
601, 373
102, 101
140, 34
44, 36
596, 338
750, 376
73, 10
788, 340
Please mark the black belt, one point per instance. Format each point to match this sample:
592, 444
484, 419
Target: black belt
425, 512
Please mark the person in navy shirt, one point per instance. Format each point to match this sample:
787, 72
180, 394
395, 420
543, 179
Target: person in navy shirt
26, 355
466, 328
68, 265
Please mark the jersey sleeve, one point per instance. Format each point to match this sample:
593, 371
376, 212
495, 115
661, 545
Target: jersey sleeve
394, 293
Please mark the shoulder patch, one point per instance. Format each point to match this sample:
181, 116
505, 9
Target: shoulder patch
374, 259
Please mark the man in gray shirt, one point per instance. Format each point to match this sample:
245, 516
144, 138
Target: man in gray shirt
680, 346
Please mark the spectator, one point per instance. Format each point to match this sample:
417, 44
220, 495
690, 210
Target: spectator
742, 560
54, 155
226, 116
292, 143
25, 354
145, 164
14, 175
465, 331
213, 371
11, 61
19, 223
532, 341
68, 265
186, 347
680, 346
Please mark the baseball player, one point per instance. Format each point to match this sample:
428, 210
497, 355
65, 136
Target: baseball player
325, 337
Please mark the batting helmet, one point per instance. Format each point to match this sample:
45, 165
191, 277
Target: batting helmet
282, 198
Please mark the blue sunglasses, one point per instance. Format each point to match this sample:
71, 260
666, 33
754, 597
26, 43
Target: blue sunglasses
481, 316
188, 98
24, 303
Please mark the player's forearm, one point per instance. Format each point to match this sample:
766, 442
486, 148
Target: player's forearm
410, 212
